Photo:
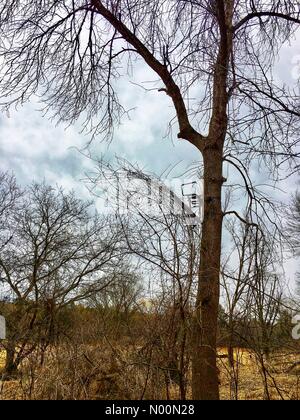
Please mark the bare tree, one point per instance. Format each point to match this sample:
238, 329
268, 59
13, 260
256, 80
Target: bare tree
258, 311
235, 285
71, 52
9, 200
161, 233
165, 247
293, 227
118, 301
59, 253
264, 302
294, 223
10, 195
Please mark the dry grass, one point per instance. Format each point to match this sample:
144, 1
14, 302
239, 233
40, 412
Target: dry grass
2, 358
10, 390
95, 373
282, 383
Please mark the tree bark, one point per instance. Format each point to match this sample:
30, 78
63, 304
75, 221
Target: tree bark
205, 373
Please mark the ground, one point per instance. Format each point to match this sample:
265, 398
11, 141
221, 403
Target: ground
283, 383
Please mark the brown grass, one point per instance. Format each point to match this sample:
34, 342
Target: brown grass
282, 383
2, 358
94, 373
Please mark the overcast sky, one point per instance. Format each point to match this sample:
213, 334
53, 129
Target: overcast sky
35, 149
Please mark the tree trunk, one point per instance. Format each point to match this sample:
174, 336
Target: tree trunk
205, 379
205, 372
11, 367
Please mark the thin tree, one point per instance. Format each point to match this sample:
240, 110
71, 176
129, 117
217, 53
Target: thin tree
294, 223
10, 195
58, 253
70, 53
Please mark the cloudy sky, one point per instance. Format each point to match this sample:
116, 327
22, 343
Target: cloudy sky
34, 148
